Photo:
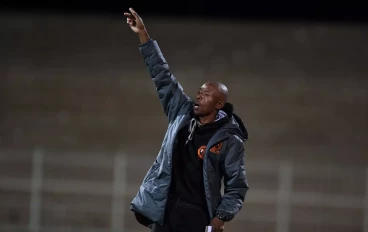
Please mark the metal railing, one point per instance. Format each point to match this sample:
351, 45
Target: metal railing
283, 198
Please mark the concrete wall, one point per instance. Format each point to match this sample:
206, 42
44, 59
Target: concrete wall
74, 83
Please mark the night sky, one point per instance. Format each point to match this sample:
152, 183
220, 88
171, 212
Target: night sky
299, 10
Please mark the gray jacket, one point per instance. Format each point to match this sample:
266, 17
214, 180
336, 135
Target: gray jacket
227, 164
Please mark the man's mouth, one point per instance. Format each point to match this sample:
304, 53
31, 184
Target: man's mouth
196, 105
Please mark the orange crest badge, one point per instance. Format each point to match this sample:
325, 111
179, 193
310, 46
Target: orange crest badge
201, 151
216, 149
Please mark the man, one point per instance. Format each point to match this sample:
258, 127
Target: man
202, 146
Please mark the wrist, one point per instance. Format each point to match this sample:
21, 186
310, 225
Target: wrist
143, 33
143, 36
221, 216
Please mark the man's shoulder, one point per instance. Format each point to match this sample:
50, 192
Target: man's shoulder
234, 141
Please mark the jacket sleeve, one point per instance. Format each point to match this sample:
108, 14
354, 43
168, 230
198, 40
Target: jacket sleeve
170, 92
235, 180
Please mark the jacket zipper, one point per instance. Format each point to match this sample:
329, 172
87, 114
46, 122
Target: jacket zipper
205, 160
186, 122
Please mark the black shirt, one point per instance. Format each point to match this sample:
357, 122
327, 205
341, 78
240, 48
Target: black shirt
187, 171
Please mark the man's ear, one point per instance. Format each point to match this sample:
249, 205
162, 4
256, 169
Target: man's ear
220, 105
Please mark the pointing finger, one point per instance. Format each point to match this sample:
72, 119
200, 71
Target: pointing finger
133, 12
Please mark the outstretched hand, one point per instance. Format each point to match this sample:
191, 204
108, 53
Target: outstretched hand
134, 21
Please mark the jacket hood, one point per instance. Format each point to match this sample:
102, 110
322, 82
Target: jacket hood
236, 125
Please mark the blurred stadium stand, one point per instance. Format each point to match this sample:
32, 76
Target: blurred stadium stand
81, 124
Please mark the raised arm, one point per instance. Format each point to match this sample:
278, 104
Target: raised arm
170, 92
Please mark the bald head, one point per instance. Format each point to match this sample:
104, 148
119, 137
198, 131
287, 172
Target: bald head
211, 98
222, 90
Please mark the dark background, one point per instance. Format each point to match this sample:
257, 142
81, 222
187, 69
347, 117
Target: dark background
332, 11
80, 121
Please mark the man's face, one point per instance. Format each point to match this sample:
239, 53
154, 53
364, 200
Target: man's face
208, 100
